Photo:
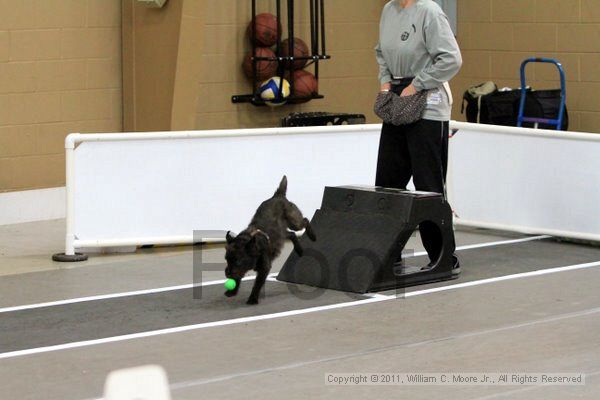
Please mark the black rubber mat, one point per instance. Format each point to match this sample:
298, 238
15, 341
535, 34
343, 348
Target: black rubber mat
494, 261
113, 317
120, 316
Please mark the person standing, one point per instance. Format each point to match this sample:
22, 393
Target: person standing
417, 51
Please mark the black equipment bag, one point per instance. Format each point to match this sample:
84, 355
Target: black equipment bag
543, 104
498, 108
472, 98
501, 107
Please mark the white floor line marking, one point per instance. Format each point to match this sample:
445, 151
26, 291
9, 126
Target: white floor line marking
221, 281
538, 272
481, 245
222, 378
555, 318
117, 295
185, 328
375, 295
289, 313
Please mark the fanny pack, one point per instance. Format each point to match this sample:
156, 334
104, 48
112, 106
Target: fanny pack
396, 110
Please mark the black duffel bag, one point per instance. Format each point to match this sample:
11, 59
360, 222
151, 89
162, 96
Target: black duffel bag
501, 107
472, 97
498, 108
486, 104
543, 104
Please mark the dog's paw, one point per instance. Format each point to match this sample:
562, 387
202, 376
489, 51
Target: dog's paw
230, 293
252, 301
309, 230
299, 250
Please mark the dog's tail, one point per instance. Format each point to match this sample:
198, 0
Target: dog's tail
282, 189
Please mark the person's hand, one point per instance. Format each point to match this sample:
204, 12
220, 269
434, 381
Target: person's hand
408, 91
386, 87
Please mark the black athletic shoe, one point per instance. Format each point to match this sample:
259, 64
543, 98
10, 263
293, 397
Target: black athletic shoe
398, 266
455, 265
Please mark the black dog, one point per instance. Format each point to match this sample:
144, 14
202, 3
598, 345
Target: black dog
259, 244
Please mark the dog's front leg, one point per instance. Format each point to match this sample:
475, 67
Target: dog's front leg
261, 276
231, 293
297, 247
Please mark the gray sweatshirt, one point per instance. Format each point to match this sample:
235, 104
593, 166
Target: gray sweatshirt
417, 41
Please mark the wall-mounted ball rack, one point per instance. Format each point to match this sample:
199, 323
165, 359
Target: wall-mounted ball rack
317, 52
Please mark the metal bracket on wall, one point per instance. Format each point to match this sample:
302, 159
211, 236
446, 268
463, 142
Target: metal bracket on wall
153, 3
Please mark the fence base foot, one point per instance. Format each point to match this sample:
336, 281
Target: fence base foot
62, 257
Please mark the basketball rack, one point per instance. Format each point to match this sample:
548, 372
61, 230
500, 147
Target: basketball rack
317, 50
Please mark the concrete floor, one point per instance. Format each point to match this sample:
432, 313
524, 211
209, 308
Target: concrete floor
532, 323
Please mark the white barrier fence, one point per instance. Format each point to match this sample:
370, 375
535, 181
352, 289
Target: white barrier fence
526, 180
157, 188
132, 189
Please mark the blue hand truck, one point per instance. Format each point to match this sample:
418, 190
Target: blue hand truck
563, 96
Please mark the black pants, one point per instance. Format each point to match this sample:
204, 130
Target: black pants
419, 150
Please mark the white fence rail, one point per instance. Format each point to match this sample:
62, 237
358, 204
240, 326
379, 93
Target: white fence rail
526, 180
157, 188
128, 189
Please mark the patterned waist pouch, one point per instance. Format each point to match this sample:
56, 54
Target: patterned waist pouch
396, 110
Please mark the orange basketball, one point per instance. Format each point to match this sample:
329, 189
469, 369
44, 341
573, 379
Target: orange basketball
264, 68
300, 50
267, 29
304, 85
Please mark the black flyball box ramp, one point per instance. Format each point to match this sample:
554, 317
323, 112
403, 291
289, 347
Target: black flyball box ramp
361, 232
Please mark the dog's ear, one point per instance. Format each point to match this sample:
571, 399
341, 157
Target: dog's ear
229, 237
282, 189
